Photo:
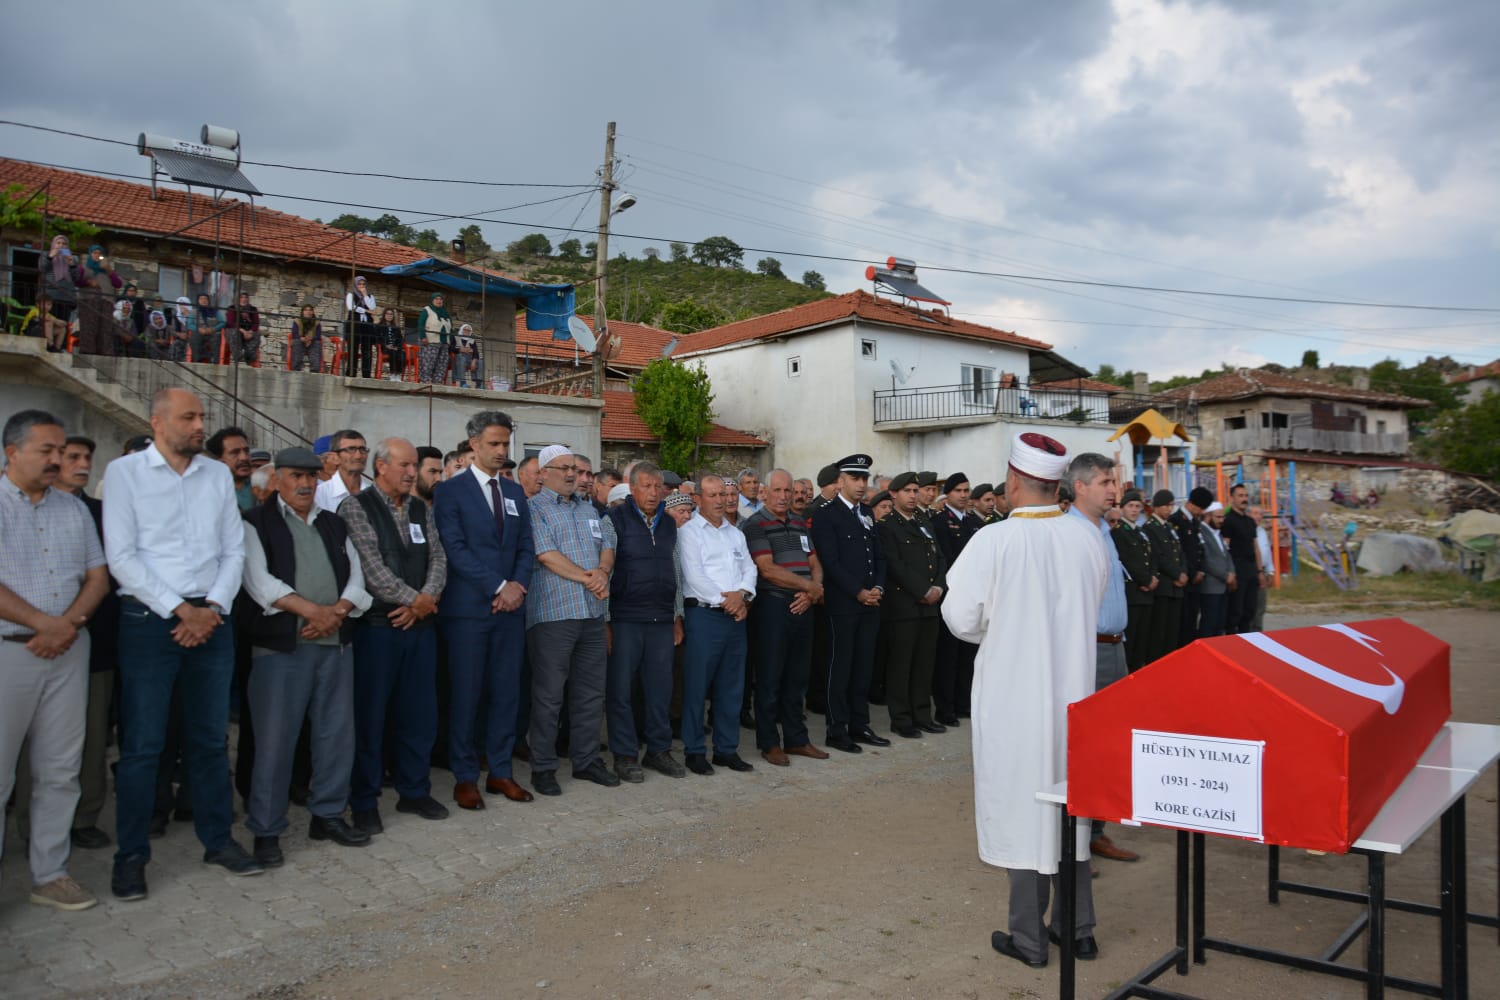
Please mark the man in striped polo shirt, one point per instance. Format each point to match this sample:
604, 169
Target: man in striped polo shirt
791, 582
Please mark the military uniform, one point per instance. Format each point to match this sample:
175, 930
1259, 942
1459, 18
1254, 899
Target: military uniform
1166, 610
817, 677
914, 565
1134, 547
1186, 527
953, 674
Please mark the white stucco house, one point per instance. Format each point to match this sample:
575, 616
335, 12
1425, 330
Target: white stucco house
911, 386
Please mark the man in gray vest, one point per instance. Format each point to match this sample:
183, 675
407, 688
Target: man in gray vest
302, 584
395, 644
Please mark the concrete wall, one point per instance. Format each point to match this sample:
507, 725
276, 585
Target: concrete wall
982, 452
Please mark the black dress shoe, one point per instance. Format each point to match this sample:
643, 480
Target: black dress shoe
335, 829
909, 732
545, 783
268, 852
158, 826
698, 764
1002, 943
870, 737
426, 807
843, 743
88, 837
733, 761
128, 881
947, 719
932, 727
598, 774
233, 859
1085, 949
367, 820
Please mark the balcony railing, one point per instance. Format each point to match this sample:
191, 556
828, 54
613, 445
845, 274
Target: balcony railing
1009, 398
1313, 439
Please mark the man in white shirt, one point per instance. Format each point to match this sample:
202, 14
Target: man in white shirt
749, 486
353, 454
718, 584
175, 543
1267, 565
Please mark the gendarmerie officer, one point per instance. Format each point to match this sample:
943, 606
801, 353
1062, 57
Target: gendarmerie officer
1134, 547
844, 536
917, 576
1171, 575
953, 673
817, 676
1186, 521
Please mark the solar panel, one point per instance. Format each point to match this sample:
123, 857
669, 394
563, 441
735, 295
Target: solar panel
185, 168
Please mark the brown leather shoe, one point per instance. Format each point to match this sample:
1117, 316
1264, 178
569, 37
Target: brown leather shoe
508, 788
776, 756
808, 750
1106, 848
466, 794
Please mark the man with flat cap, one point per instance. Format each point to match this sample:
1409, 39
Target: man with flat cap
1171, 572
1186, 522
844, 536
953, 673
1139, 561
916, 574
1028, 592
304, 585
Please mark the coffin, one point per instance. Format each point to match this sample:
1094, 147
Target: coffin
1295, 737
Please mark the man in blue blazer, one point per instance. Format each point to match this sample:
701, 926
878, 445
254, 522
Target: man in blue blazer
485, 525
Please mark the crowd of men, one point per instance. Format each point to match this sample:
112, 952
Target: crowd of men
365, 612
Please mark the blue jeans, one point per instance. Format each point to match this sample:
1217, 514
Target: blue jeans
641, 649
150, 663
395, 680
713, 661
484, 672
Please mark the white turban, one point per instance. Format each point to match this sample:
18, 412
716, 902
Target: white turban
552, 453
1039, 457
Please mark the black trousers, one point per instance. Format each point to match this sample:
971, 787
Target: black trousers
1166, 620
1192, 610
362, 337
1138, 636
850, 661
1242, 601
911, 652
952, 675
817, 677
783, 643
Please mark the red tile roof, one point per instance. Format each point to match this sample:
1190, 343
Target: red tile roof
1491, 370
1085, 384
1248, 384
620, 423
857, 304
639, 344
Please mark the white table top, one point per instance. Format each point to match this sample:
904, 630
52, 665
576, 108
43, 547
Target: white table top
1452, 763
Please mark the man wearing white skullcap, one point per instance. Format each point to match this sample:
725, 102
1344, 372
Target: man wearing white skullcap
1028, 590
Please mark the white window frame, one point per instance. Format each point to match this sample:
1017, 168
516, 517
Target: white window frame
867, 348
794, 366
980, 385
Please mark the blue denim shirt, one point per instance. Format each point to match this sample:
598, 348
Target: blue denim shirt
1112, 612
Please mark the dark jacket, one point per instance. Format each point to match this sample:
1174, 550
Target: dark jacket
913, 565
850, 553
643, 587
1167, 552
1136, 555
407, 559
1216, 564
479, 560
1187, 528
953, 533
279, 632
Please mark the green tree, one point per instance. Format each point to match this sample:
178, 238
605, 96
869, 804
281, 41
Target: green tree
353, 223
814, 280
530, 245
1107, 373
687, 316
679, 252
676, 403
19, 210
1423, 380
1310, 359
428, 240
474, 241
570, 251
1467, 439
770, 267
719, 251
591, 249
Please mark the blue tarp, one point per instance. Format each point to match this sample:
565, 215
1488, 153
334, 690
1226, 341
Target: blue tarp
548, 307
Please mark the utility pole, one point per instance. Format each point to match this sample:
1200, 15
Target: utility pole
601, 260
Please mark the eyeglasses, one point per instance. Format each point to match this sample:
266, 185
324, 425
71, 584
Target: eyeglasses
357, 449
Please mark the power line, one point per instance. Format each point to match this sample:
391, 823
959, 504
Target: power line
310, 170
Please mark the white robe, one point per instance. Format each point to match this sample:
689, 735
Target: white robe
1027, 590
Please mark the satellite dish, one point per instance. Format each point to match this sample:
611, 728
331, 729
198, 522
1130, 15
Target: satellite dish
902, 374
581, 333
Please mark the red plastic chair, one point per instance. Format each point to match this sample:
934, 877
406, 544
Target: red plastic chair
334, 346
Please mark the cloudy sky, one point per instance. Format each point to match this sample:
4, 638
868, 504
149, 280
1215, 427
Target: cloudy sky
1333, 150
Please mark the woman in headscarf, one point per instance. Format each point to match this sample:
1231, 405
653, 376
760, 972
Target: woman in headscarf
307, 341
159, 337
128, 342
96, 303
392, 342
61, 277
466, 356
437, 328
208, 331
359, 305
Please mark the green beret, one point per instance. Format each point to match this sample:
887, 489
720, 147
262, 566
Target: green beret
980, 491
926, 478
828, 475
902, 481
882, 495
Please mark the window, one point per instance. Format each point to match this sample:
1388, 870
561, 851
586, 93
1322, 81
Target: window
979, 385
23, 275
1380, 427
170, 283
867, 349
1273, 420
1234, 423
794, 367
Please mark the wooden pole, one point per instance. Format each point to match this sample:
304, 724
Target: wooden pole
601, 260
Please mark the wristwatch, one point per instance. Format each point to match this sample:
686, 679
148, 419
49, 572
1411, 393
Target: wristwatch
748, 596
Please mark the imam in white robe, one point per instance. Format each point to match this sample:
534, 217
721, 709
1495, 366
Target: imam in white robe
1027, 590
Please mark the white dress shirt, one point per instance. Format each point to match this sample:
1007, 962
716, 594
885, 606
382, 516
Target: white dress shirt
331, 493
265, 589
169, 537
489, 501
715, 561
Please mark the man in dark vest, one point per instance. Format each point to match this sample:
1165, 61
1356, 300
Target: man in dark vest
395, 643
917, 574
302, 584
645, 623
